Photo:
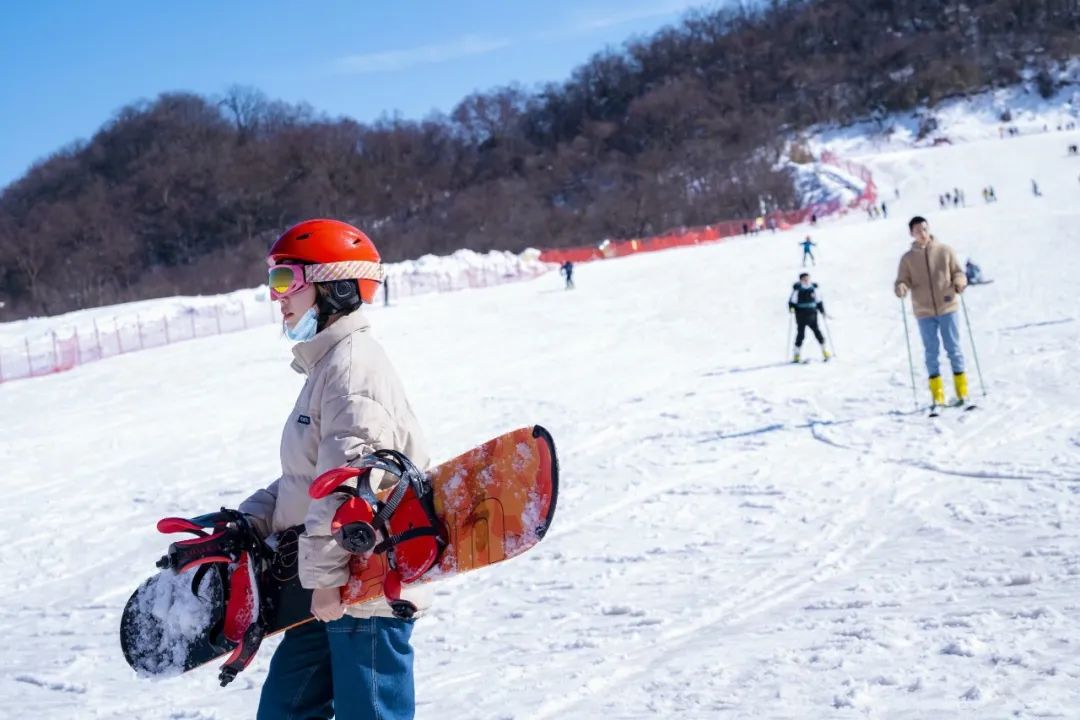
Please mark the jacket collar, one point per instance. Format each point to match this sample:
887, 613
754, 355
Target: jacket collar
308, 354
932, 243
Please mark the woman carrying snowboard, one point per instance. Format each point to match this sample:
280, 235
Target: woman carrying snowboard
355, 662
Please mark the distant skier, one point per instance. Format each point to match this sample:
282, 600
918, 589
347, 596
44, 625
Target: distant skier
1035, 188
974, 273
935, 278
567, 269
806, 253
805, 302
884, 210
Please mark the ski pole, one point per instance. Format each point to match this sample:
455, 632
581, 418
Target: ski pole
828, 333
971, 337
910, 362
787, 345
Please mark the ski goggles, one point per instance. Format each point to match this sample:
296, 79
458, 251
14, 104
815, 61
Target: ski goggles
289, 278
286, 280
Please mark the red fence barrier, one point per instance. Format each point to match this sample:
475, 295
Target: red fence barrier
682, 237
76, 340
94, 338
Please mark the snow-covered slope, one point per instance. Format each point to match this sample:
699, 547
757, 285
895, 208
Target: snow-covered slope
984, 116
736, 537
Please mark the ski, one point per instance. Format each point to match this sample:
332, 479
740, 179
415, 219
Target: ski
935, 410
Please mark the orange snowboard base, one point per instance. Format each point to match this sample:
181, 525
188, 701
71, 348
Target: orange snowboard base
496, 501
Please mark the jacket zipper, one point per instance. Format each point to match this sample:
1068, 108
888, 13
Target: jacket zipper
930, 279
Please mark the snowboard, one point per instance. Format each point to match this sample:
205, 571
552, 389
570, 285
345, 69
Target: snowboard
493, 502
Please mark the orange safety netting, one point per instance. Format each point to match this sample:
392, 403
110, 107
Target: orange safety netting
681, 237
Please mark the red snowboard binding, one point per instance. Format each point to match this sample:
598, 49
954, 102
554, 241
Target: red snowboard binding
222, 540
404, 526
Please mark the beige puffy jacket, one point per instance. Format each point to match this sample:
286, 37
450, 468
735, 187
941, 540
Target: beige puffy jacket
935, 278
351, 404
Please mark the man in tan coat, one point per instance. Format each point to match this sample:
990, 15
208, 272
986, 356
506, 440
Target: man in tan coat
933, 275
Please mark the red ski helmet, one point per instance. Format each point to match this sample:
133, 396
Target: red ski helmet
341, 251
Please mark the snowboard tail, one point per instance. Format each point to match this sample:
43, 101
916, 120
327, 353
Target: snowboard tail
485, 506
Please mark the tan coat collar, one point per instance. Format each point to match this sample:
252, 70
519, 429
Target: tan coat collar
308, 354
932, 243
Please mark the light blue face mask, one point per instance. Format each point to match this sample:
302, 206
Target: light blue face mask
305, 328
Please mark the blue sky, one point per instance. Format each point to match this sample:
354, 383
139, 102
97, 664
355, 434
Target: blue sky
68, 65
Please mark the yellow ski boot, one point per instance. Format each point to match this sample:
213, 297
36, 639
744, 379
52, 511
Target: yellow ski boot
937, 394
826, 354
960, 384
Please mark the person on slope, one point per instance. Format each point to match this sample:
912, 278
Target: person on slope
357, 661
973, 273
567, 269
806, 253
805, 302
933, 275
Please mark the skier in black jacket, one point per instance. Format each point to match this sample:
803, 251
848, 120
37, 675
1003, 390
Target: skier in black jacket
567, 269
806, 303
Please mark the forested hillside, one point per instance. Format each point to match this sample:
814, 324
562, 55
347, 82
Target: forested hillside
182, 194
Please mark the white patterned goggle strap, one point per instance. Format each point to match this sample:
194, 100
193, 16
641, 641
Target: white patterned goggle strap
348, 270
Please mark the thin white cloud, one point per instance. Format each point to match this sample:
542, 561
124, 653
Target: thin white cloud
586, 23
391, 60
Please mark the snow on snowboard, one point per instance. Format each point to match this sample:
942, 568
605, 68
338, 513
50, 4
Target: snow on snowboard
224, 590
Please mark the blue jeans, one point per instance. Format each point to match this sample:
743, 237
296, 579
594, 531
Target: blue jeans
949, 328
352, 669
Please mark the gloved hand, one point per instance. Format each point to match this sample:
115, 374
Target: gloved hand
326, 604
901, 290
960, 286
791, 309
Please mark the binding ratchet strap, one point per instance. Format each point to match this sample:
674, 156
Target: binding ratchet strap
412, 536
